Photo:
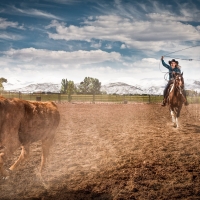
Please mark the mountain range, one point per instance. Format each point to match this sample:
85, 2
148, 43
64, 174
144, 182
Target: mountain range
144, 87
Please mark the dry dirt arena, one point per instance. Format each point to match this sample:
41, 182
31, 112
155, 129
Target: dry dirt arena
114, 151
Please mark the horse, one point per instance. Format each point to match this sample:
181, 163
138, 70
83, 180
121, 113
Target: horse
176, 98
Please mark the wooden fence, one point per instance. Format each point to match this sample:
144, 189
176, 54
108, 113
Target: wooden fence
57, 97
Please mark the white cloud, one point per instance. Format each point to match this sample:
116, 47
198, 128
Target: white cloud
4, 24
168, 17
30, 12
134, 34
33, 65
123, 46
108, 46
151, 60
64, 1
40, 13
96, 45
60, 58
9, 36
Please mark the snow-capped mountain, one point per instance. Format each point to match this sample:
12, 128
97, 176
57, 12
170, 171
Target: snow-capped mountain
121, 88
144, 87
39, 87
13, 83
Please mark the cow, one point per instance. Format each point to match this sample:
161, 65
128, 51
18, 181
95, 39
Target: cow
22, 123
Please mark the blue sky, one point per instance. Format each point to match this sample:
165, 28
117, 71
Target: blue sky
118, 40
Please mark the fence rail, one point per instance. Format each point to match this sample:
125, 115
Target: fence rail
57, 97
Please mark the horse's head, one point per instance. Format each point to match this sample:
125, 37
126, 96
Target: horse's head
179, 81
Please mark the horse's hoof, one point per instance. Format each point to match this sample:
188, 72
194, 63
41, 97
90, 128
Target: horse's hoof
174, 125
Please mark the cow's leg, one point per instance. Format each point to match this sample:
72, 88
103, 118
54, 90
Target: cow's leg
3, 172
1, 162
24, 154
45, 152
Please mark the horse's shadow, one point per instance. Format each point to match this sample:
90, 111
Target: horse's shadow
195, 128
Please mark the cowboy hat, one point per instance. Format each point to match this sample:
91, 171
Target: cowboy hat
173, 60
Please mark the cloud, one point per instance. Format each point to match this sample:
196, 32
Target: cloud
39, 65
67, 2
96, 45
54, 59
108, 46
150, 35
123, 46
151, 60
10, 36
30, 12
149, 27
4, 24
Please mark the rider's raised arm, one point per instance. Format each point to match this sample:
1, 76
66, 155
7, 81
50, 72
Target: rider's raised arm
166, 65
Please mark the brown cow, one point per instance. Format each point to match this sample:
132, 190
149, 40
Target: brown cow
22, 123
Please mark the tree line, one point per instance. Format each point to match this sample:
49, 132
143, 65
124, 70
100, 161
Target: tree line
88, 86
2, 80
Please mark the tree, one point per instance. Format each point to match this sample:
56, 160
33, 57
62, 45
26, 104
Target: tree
70, 89
84, 86
2, 80
90, 86
64, 85
95, 86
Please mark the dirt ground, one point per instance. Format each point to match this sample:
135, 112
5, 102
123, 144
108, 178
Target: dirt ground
114, 151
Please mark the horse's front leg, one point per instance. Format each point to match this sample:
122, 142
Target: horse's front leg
177, 124
174, 118
178, 115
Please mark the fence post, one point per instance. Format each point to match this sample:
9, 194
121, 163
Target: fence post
149, 98
59, 98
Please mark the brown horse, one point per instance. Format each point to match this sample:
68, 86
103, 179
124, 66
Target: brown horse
176, 98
